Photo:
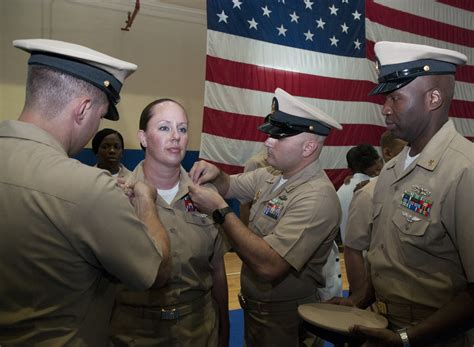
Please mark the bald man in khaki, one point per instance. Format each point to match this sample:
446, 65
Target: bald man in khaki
293, 221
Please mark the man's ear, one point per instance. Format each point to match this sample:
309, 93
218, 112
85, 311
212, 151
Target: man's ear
142, 138
435, 99
81, 108
309, 147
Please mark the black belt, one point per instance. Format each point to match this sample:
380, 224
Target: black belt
168, 312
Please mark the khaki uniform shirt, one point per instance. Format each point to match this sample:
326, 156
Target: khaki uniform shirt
194, 242
66, 229
425, 256
299, 220
345, 194
122, 173
256, 162
359, 222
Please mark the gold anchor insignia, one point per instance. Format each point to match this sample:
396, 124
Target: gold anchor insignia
377, 65
430, 162
257, 196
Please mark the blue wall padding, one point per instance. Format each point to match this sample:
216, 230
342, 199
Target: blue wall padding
132, 157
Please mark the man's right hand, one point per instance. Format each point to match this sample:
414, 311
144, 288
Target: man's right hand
143, 190
203, 172
138, 192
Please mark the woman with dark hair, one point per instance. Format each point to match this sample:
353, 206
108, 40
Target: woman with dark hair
108, 147
191, 309
365, 163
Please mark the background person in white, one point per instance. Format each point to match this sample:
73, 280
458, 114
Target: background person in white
365, 163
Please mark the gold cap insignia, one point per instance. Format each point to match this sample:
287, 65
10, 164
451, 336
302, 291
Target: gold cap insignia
106, 83
377, 65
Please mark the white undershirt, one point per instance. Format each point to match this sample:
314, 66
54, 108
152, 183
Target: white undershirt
281, 182
409, 159
168, 194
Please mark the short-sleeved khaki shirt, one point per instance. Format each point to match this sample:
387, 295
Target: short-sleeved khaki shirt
66, 230
194, 242
421, 244
299, 220
359, 221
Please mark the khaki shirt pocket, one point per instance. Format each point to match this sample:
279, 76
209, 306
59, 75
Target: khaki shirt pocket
263, 225
413, 238
201, 231
409, 224
198, 219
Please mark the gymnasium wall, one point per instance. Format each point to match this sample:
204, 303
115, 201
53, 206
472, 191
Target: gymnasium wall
167, 43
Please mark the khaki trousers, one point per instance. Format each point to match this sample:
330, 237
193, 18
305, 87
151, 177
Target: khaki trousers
198, 326
276, 324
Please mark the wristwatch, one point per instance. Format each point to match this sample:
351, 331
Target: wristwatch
219, 214
404, 336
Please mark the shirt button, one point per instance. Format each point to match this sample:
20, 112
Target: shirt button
381, 246
339, 276
337, 259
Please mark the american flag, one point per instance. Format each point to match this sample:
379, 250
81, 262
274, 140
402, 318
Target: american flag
321, 51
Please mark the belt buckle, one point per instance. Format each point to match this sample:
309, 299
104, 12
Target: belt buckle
169, 314
382, 307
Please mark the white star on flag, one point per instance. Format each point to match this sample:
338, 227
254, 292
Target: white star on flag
320, 23
222, 17
333, 40
333, 10
308, 4
266, 11
309, 35
282, 30
294, 17
252, 24
357, 44
344, 28
356, 15
236, 3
